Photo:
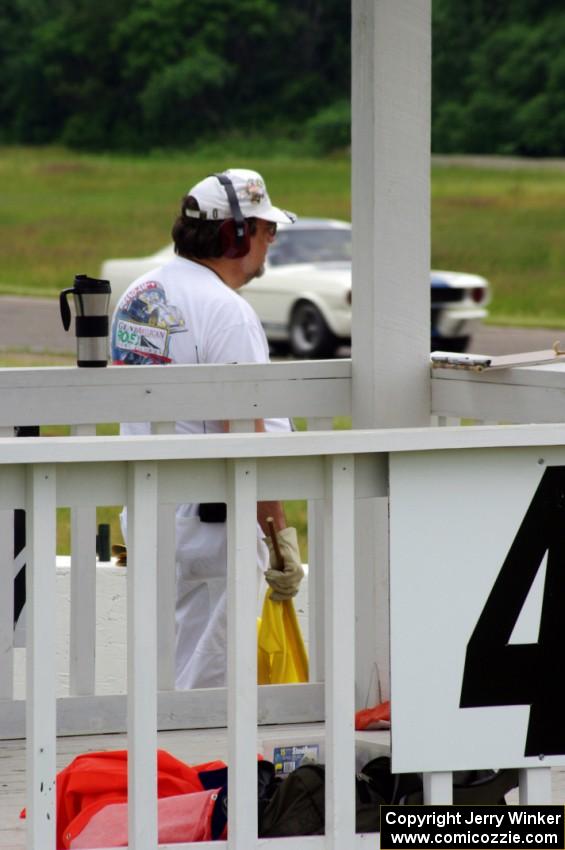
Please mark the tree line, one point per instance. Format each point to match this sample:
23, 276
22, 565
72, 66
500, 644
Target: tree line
142, 74
498, 77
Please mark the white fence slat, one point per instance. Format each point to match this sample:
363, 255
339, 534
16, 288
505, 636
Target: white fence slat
6, 604
372, 602
82, 654
438, 788
242, 653
166, 596
316, 581
316, 572
340, 652
142, 655
41, 666
535, 786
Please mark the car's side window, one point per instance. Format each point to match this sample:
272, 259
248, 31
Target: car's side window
311, 246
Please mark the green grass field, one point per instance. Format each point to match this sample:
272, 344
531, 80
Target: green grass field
510, 227
63, 213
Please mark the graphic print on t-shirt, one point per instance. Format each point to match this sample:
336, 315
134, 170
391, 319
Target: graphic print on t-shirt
143, 326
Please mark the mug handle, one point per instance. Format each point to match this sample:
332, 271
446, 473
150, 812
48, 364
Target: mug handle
65, 309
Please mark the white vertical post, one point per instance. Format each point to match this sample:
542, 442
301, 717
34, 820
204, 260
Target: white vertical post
535, 786
166, 596
391, 74
340, 651
82, 655
142, 655
40, 663
6, 604
438, 788
242, 653
391, 84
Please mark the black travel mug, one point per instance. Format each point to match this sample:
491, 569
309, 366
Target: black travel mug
91, 299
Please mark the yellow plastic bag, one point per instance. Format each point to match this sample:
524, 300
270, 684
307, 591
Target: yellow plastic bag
281, 654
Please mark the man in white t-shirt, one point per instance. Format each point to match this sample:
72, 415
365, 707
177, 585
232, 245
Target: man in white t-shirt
189, 311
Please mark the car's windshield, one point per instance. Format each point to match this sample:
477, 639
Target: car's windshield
310, 246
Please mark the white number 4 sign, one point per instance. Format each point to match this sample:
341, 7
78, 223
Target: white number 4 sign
477, 542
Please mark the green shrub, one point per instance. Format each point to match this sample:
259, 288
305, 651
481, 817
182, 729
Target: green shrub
330, 128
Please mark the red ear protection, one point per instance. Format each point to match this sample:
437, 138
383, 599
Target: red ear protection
234, 240
234, 232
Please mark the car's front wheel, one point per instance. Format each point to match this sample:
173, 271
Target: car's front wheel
309, 333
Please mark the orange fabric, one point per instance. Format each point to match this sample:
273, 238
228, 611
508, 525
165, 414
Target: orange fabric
94, 780
377, 717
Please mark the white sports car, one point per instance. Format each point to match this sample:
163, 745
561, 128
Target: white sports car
304, 297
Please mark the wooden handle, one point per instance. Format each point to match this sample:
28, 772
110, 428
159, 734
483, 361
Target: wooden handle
275, 542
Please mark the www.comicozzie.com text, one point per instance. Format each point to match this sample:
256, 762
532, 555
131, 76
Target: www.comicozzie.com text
476, 827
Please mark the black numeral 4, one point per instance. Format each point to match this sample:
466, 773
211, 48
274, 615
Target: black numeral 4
500, 673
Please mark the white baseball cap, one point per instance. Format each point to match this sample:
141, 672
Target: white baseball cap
251, 194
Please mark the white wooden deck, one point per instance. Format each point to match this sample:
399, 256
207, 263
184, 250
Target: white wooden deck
192, 746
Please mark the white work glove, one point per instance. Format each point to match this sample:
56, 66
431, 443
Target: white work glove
284, 583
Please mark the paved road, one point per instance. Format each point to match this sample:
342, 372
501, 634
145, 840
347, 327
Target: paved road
35, 325
491, 339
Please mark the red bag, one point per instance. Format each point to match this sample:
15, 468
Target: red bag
181, 818
95, 780
377, 717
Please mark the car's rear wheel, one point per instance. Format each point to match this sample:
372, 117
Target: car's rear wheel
309, 333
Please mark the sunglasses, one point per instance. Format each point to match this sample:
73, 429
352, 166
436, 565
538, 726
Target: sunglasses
270, 228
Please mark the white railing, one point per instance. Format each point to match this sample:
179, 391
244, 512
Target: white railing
518, 395
152, 474
83, 398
